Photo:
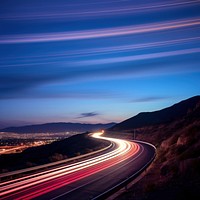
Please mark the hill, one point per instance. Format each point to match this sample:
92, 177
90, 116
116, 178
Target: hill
73, 146
166, 115
175, 131
57, 127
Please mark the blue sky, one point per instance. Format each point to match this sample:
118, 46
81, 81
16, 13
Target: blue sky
95, 61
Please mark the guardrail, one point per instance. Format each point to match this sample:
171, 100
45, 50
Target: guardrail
21, 171
109, 192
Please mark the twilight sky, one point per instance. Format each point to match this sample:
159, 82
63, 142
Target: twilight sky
95, 61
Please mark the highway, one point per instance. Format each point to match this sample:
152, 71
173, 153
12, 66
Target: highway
91, 178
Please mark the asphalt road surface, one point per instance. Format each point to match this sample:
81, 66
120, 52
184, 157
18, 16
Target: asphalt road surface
92, 178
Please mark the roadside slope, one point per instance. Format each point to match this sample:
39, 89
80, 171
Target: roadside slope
175, 172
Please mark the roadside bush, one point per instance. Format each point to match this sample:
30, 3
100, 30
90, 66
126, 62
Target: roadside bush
57, 157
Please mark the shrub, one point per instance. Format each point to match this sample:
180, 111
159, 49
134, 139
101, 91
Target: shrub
56, 157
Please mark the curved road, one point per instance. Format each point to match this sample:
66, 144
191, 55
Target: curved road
92, 178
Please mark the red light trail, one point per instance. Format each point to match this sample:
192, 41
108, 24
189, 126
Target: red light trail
40, 183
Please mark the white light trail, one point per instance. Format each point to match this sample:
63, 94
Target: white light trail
124, 149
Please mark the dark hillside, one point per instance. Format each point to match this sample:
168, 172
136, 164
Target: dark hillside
70, 147
175, 173
166, 115
57, 127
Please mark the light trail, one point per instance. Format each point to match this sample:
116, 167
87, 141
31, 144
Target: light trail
40, 183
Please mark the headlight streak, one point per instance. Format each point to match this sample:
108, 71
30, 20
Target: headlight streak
43, 182
62, 170
48, 171
93, 180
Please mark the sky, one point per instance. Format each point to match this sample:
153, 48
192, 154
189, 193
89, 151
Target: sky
96, 61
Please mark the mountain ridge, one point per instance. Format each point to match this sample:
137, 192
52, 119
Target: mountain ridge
57, 127
174, 174
165, 115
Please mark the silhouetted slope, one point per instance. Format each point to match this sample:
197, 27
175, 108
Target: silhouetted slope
58, 150
57, 127
166, 115
175, 172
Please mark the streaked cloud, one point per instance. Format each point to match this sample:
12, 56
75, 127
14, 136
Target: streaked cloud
78, 11
55, 58
139, 57
61, 58
23, 80
98, 33
149, 99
